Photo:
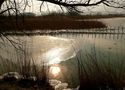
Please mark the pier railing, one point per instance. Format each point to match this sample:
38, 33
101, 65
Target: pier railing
101, 31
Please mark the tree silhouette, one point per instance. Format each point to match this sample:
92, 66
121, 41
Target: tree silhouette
1, 2
87, 3
73, 3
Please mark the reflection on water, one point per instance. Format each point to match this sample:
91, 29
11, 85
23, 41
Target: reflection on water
57, 54
63, 50
55, 70
62, 53
53, 50
47, 49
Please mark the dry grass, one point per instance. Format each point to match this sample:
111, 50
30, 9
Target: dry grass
25, 65
104, 74
14, 86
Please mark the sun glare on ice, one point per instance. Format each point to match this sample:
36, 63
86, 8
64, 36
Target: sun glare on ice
55, 70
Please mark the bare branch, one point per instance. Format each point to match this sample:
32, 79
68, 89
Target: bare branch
23, 4
74, 3
6, 10
111, 4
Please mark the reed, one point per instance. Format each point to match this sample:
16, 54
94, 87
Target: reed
101, 73
33, 76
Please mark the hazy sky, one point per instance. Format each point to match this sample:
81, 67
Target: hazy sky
34, 6
101, 8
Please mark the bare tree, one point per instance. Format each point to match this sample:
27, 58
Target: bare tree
8, 5
71, 3
13, 5
1, 2
88, 3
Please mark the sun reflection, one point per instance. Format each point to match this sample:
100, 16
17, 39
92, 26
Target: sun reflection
55, 70
54, 55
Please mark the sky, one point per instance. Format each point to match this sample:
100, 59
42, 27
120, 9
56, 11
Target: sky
98, 9
34, 6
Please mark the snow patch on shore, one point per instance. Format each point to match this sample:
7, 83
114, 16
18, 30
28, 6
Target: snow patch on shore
58, 85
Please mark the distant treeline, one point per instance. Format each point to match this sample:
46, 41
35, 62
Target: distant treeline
53, 21
79, 16
73, 15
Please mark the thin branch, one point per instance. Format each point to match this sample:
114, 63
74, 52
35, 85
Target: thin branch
109, 5
74, 4
6, 10
41, 6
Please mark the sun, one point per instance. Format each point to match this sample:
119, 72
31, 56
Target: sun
55, 70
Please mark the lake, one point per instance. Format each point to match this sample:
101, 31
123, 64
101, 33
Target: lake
68, 54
